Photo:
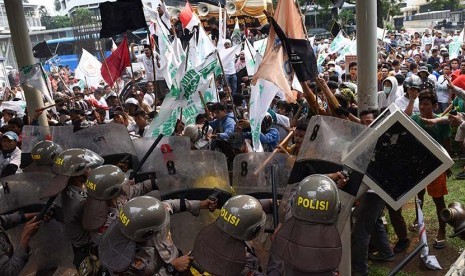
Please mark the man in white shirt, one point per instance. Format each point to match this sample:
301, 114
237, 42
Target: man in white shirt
230, 70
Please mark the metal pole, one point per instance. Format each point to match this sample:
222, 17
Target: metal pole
366, 48
23, 52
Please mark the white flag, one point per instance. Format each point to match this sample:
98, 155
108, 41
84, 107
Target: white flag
185, 84
250, 55
34, 76
89, 69
339, 42
261, 95
194, 105
260, 46
221, 29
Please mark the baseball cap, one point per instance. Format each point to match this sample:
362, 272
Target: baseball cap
131, 101
423, 69
11, 135
331, 62
326, 40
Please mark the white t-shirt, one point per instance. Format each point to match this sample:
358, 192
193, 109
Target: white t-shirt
148, 66
149, 98
403, 101
12, 158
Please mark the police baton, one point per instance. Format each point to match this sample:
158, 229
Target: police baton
45, 209
275, 200
147, 154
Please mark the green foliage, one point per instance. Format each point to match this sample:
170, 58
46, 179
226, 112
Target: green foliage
82, 17
57, 5
53, 22
452, 5
345, 16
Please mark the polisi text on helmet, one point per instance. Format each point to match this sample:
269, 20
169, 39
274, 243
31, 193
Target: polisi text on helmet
230, 218
321, 205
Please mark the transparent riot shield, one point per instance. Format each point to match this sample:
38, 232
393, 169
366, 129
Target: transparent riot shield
252, 173
31, 135
205, 176
23, 189
104, 139
327, 149
165, 155
51, 249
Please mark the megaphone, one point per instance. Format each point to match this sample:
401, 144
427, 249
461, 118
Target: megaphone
203, 9
230, 7
175, 12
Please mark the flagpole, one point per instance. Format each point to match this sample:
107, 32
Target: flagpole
248, 47
225, 83
106, 64
152, 48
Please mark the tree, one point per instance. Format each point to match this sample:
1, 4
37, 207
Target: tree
346, 16
57, 5
386, 9
438, 5
53, 22
82, 17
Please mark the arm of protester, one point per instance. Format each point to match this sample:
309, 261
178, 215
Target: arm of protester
412, 95
311, 99
434, 121
455, 89
455, 120
228, 128
340, 179
332, 101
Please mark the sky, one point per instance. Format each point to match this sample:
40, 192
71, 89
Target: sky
47, 3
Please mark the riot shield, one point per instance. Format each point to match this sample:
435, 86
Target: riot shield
23, 189
207, 174
31, 135
165, 156
104, 139
325, 149
51, 249
252, 173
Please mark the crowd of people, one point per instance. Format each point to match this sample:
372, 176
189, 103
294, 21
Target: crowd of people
415, 72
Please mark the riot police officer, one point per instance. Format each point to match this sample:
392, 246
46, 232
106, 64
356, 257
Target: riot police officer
221, 248
309, 231
109, 190
72, 167
12, 262
43, 153
127, 246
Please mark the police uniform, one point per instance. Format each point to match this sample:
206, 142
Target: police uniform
11, 262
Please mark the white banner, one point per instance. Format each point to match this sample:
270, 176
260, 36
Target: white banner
260, 99
338, 43
250, 56
89, 69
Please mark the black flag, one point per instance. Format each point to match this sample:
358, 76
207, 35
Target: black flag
41, 50
121, 16
335, 28
300, 53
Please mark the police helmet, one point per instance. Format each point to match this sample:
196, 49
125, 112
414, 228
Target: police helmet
143, 217
44, 152
74, 162
105, 182
412, 82
316, 200
242, 217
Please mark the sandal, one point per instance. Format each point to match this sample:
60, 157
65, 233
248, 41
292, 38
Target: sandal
439, 244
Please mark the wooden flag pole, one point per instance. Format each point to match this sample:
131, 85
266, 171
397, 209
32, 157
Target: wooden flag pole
105, 62
203, 103
228, 90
